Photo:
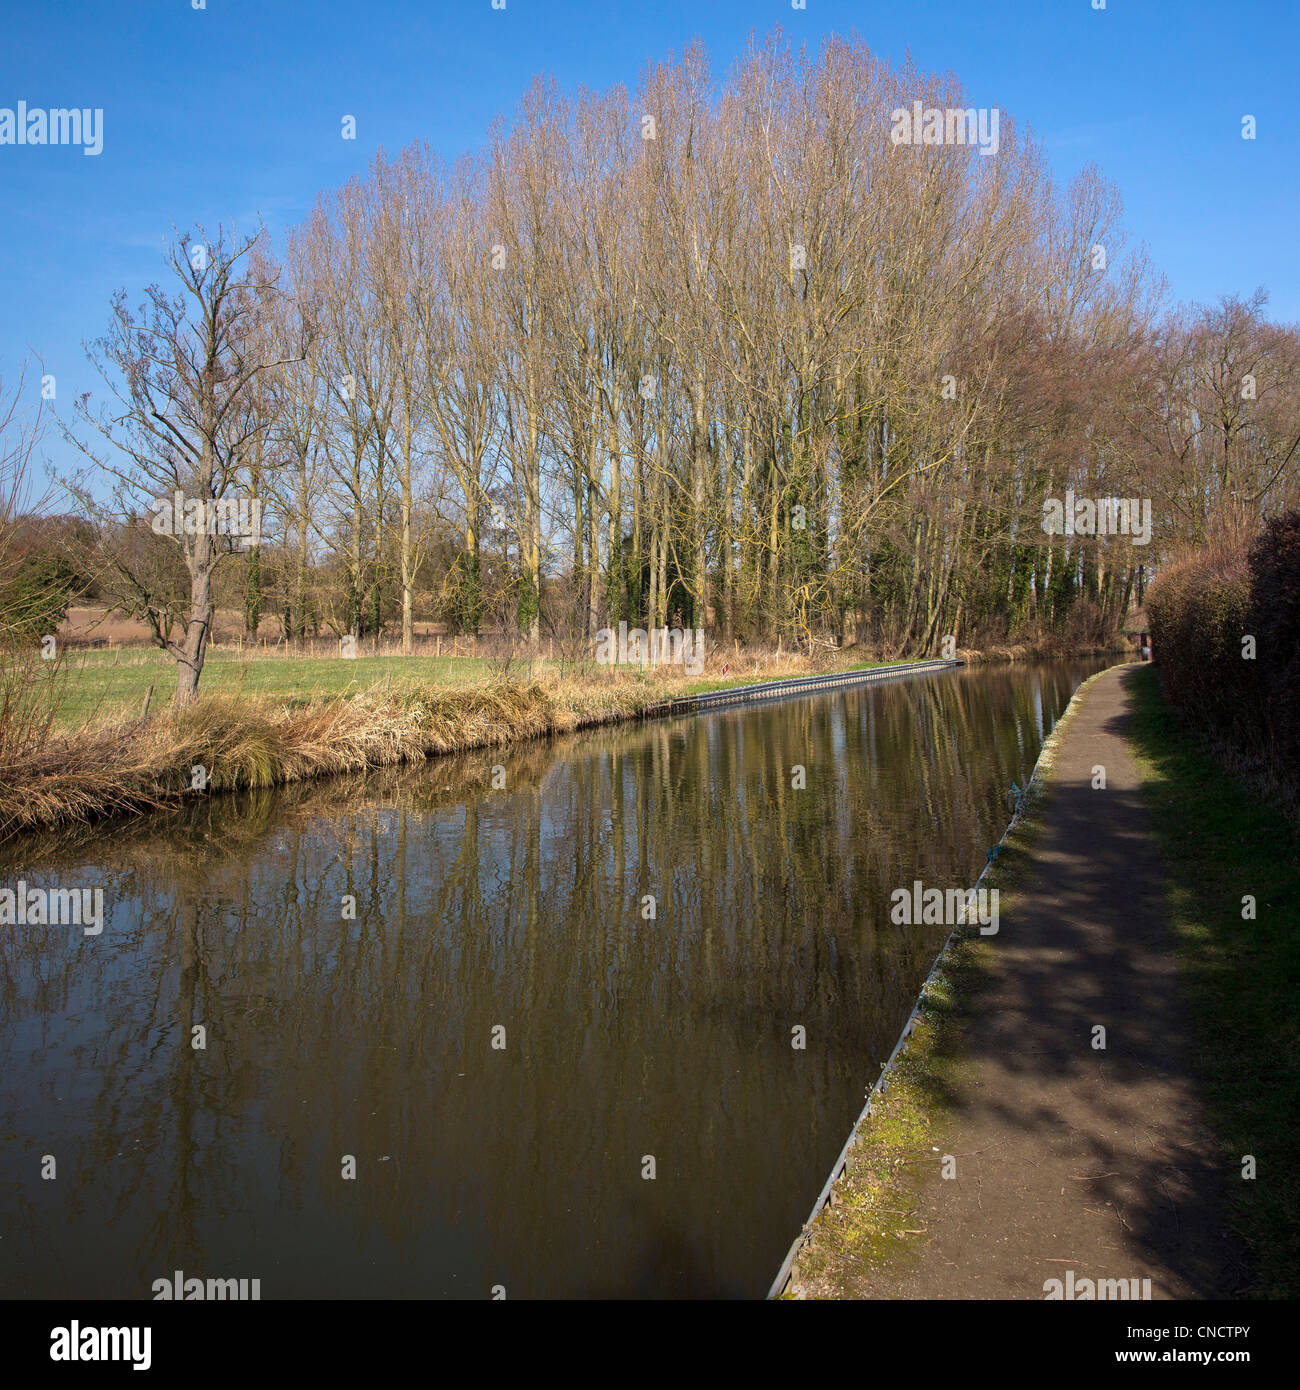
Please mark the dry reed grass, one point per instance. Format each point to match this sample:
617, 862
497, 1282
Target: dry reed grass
130, 767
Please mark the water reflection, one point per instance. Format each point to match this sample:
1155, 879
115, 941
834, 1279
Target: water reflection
479, 909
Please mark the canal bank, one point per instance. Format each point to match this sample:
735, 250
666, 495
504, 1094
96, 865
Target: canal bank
224, 743
1042, 1122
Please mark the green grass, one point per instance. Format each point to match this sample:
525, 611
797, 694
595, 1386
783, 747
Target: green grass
92, 684
100, 682
1220, 841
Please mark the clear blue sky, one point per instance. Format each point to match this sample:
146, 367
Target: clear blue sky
235, 110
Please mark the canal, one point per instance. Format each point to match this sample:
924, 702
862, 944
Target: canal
521, 1020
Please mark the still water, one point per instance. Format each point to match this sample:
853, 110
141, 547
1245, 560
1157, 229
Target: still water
517, 916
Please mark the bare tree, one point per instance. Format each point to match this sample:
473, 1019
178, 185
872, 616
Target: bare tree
182, 429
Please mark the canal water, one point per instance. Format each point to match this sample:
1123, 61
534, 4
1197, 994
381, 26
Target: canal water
517, 1021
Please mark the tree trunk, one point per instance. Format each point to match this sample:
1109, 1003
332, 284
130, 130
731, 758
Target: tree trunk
408, 567
190, 666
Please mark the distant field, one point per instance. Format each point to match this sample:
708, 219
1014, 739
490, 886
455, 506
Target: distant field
94, 684
98, 683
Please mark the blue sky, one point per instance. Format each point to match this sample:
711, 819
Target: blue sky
235, 110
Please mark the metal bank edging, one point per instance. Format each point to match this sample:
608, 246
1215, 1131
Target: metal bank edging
782, 1279
796, 685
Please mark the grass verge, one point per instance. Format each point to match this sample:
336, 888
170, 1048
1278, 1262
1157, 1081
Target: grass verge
1221, 843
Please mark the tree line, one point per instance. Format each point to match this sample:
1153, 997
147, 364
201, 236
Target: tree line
720, 353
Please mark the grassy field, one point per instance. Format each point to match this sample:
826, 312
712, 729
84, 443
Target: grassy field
102, 683
1221, 842
93, 683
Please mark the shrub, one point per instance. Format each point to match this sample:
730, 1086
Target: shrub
1199, 608
1275, 623
36, 598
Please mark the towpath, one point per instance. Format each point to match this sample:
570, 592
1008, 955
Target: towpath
1070, 1157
